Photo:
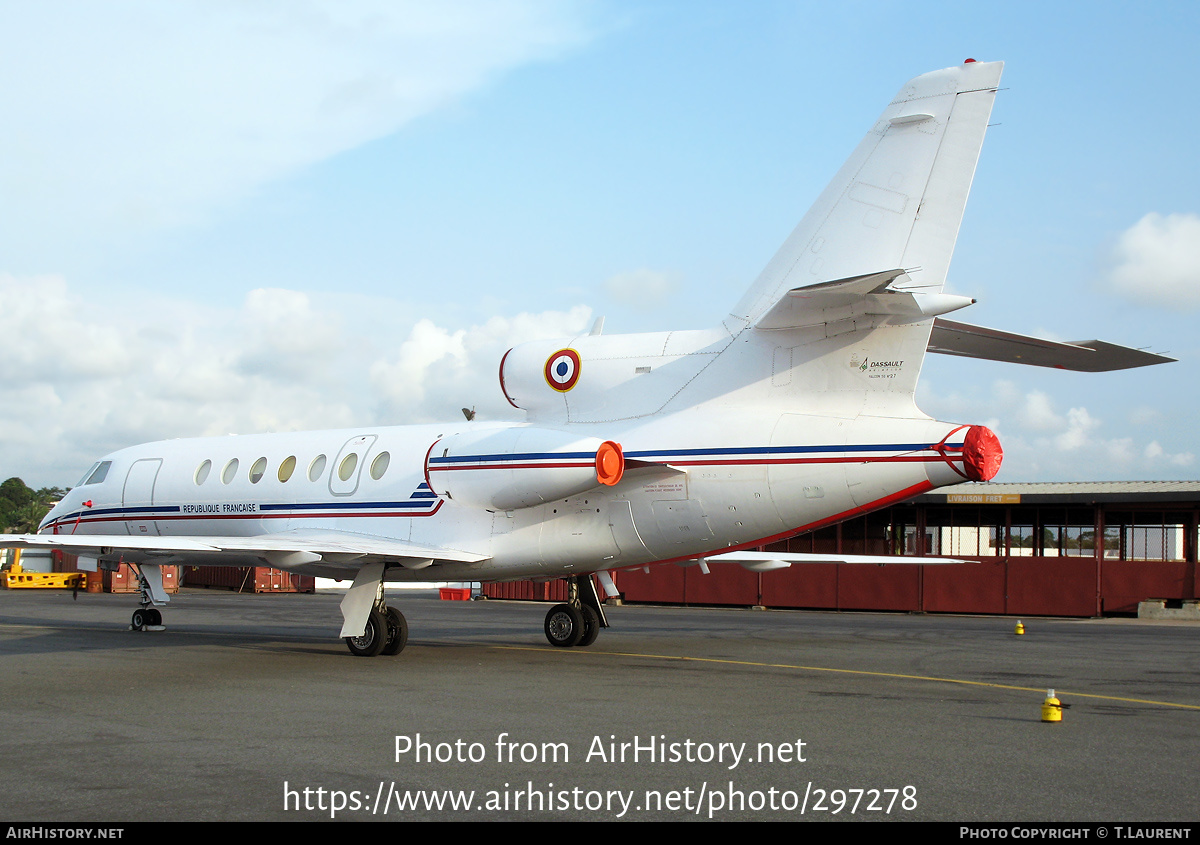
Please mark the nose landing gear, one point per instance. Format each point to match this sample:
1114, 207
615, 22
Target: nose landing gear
147, 617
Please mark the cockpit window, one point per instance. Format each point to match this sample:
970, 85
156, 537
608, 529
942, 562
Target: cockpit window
96, 474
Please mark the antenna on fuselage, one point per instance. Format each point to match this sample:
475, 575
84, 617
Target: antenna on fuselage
469, 414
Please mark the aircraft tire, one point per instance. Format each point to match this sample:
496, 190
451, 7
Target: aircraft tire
153, 616
138, 622
397, 632
564, 626
373, 639
591, 626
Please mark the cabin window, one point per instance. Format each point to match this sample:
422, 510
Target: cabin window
287, 467
202, 472
346, 468
230, 471
317, 468
258, 470
379, 465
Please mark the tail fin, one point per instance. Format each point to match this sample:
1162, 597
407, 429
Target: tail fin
897, 202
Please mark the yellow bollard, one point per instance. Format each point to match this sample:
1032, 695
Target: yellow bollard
1020, 629
1051, 708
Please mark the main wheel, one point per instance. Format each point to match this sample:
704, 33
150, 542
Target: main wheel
138, 622
153, 616
373, 639
591, 626
397, 632
564, 626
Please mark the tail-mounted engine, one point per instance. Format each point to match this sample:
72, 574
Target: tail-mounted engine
599, 379
520, 467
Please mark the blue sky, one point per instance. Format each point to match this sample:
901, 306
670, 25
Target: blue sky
229, 217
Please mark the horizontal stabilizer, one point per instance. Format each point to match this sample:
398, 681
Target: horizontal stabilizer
872, 295
1089, 356
767, 561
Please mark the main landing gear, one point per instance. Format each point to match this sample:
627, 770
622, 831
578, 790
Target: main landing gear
147, 617
386, 633
384, 629
579, 620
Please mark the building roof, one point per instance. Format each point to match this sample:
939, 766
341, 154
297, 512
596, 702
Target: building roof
1067, 492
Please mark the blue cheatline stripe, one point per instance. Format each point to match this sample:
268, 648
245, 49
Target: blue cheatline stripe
679, 453
524, 456
342, 505
153, 509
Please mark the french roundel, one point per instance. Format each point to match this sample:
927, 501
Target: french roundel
562, 370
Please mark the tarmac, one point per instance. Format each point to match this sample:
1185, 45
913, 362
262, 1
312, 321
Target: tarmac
248, 707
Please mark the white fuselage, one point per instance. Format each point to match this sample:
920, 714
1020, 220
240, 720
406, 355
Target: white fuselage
706, 483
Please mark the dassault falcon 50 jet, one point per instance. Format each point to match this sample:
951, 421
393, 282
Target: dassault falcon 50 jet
690, 447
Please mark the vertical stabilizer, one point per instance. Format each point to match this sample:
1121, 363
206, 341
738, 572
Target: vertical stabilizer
899, 199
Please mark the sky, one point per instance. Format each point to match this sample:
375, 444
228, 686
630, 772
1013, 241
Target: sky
230, 217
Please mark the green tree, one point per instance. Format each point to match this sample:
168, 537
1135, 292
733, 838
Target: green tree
23, 509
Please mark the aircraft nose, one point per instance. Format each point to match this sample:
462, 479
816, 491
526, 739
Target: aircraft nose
55, 513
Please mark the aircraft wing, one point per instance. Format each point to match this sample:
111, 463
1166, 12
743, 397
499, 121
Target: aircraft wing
1089, 356
324, 552
767, 561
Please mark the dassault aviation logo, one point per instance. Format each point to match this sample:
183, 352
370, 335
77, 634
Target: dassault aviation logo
875, 368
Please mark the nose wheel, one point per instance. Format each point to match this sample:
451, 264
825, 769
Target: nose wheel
148, 617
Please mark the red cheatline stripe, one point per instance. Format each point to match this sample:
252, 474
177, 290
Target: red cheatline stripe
895, 459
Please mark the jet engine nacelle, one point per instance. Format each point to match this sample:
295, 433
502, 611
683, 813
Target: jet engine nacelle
520, 467
604, 378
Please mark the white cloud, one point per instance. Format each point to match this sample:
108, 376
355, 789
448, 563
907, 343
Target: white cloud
438, 371
127, 115
642, 288
1079, 432
1155, 452
82, 376
1042, 442
1038, 413
1157, 261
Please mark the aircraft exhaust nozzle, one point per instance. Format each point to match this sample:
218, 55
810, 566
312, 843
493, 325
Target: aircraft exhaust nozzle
982, 454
